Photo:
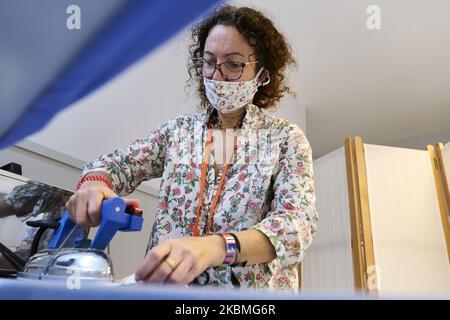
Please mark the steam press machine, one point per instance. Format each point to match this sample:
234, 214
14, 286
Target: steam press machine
70, 252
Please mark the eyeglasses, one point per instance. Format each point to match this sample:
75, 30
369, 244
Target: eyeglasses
230, 70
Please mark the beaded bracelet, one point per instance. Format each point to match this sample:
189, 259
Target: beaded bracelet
95, 178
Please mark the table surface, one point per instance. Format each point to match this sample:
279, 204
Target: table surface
40, 289
16, 289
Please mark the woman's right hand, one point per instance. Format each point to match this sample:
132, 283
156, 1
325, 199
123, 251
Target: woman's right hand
84, 206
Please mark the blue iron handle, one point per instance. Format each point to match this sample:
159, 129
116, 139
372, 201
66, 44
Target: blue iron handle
114, 217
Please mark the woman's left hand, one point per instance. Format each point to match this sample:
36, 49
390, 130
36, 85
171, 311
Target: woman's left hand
181, 260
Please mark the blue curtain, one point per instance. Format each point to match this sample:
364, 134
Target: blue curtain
140, 27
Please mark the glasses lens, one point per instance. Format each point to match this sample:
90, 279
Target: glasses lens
208, 68
230, 70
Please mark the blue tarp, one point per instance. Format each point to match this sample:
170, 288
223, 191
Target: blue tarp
140, 27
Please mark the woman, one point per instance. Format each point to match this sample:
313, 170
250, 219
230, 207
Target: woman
245, 222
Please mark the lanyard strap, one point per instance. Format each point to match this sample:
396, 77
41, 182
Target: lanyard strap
202, 185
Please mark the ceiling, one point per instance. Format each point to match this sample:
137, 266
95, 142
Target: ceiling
389, 86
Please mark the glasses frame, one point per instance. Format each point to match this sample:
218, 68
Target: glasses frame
217, 66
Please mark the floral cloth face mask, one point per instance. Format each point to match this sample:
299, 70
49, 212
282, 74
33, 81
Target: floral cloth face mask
228, 96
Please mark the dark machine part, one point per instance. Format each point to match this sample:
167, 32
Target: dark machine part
13, 168
17, 261
14, 259
43, 226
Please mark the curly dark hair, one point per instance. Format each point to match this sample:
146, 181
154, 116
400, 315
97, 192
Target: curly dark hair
272, 51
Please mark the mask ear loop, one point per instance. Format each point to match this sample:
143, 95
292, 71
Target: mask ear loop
266, 80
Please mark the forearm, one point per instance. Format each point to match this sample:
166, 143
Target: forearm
142, 160
110, 170
255, 247
86, 182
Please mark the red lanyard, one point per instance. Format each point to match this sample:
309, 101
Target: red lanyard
202, 185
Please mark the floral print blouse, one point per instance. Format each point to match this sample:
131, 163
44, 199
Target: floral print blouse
268, 187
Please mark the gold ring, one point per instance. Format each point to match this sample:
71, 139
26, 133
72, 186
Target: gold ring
171, 263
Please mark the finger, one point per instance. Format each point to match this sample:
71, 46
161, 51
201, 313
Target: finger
132, 202
161, 273
153, 259
191, 275
94, 204
81, 210
70, 210
194, 272
181, 274
108, 193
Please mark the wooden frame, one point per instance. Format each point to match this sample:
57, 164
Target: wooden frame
361, 230
444, 175
355, 216
299, 271
441, 190
371, 224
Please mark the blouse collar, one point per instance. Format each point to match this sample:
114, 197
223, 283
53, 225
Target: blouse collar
252, 119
